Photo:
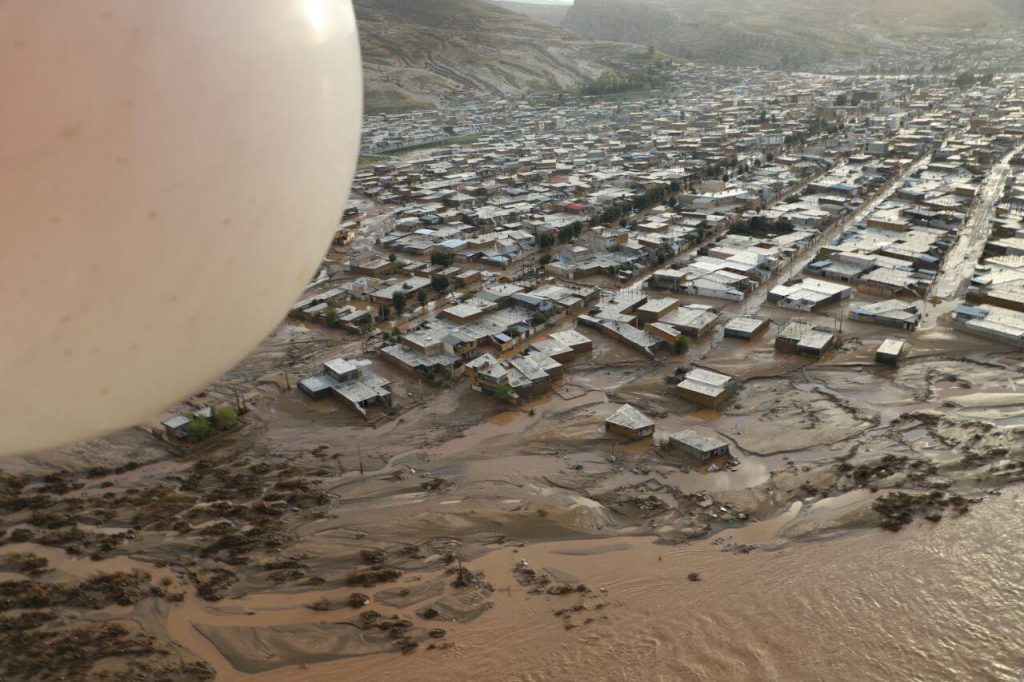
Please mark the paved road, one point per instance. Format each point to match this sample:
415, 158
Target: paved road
958, 266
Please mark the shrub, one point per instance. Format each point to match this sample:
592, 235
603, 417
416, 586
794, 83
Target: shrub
398, 300
199, 429
505, 394
332, 317
445, 259
440, 283
225, 417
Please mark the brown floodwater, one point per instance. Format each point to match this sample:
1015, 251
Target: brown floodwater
934, 602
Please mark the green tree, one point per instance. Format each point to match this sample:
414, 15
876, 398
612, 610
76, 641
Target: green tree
443, 259
964, 80
546, 240
682, 345
702, 229
398, 300
331, 316
440, 283
199, 429
225, 417
505, 394
392, 257
545, 259
421, 295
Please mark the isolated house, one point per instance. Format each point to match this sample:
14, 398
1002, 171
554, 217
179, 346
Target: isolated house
353, 382
890, 352
706, 388
701, 448
177, 426
629, 422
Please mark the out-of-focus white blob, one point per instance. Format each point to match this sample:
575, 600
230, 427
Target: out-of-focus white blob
171, 173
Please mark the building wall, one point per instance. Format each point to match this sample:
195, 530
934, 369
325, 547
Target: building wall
629, 433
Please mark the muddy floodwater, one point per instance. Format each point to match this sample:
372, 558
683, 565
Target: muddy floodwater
865, 524
939, 602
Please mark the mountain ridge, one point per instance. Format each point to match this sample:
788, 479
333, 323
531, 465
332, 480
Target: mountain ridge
418, 52
781, 33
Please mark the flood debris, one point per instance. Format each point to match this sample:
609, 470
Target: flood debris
898, 509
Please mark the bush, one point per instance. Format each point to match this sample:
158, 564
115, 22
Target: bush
398, 300
440, 283
225, 417
332, 317
199, 429
444, 259
505, 394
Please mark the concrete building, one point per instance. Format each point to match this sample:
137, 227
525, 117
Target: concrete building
706, 388
746, 327
629, 422
353, 382
890, 352
808, 294
804, 338
176, 426
700, 447
997, 324
894, 313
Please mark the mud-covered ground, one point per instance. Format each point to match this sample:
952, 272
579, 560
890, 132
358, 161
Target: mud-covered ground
306, 535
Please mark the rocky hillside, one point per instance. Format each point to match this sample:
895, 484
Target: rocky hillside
552, 13
779, 33
418, 51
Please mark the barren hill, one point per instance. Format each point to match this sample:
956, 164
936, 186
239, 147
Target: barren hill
416, 51
779, 32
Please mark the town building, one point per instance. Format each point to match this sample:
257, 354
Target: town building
700, 447
353, 382
707, 388
629, 422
